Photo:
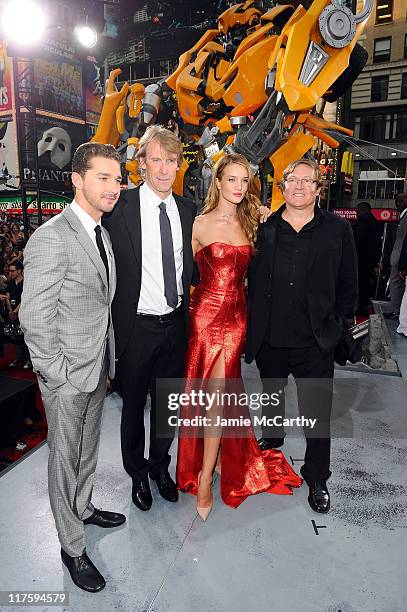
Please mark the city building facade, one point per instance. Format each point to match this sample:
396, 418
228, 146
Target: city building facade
378, 112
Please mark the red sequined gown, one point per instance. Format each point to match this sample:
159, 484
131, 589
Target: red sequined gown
218, 323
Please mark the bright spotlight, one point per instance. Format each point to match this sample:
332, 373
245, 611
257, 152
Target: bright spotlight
23, 22
86, 35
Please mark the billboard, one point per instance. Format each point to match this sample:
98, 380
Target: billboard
380, 214
6, 81
8, 155
58, 87
49, 205
93, 91
57, 141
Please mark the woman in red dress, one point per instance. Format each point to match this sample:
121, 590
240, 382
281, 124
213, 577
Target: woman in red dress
222, 240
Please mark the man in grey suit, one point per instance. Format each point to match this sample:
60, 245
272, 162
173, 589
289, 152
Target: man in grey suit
397, 284
69, 284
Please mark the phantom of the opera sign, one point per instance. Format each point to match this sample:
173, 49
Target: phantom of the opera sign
57, 141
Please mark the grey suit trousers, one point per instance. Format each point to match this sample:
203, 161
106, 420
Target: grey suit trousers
397, 287
74, 419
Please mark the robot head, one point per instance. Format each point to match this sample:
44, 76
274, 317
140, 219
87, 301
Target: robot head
234, 24
239, 15
58, 142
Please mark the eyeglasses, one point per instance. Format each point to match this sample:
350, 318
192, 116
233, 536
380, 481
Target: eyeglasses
293, 180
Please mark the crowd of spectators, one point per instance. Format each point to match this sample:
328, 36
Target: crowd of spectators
12, 242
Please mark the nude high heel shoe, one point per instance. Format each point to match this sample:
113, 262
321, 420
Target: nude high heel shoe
203, 511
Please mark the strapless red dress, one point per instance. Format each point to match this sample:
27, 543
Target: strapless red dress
218, 314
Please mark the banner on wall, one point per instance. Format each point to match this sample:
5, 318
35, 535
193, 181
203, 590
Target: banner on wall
6, 69
57, 141
58, 87
380, 214
93, 91
9, 179
49, 205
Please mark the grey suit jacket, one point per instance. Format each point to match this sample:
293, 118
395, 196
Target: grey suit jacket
65, 311
398, 243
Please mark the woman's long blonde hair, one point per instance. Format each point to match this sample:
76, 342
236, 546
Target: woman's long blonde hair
248, 212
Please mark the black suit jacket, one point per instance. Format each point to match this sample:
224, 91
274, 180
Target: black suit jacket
124, 226
368, 240
331, 281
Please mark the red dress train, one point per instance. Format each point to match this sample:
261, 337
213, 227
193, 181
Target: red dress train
218, 324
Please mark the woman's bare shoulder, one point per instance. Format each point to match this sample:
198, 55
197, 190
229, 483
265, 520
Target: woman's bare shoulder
200, 220
200, 223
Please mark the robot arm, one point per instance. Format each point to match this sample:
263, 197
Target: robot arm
107, 131
153, 96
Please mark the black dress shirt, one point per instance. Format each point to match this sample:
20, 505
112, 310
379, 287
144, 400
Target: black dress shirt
290, 324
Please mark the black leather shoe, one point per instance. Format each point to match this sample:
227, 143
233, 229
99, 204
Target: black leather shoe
84, 574
318, 497
141, 495
391, 315
101, 518
267, 443
166, 486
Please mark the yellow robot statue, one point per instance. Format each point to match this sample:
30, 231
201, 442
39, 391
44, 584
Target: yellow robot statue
251, 86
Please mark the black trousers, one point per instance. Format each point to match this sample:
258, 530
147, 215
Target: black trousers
155, 350
313, 373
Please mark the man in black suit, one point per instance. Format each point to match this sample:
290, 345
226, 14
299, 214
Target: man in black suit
151, 231
368, 242
302, 290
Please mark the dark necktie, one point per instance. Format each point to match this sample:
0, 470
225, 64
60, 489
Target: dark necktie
101, 248
167, 251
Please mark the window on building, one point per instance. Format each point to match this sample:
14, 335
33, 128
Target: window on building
380, 190
380, 87
381, 50
362, 187
403, 93
400, 125
375, 127
356, 127
384, 11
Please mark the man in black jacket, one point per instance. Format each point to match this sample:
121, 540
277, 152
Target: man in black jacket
151, 231
302, 290
367, 234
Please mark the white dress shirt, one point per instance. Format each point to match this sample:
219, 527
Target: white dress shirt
152, 299
89, 224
